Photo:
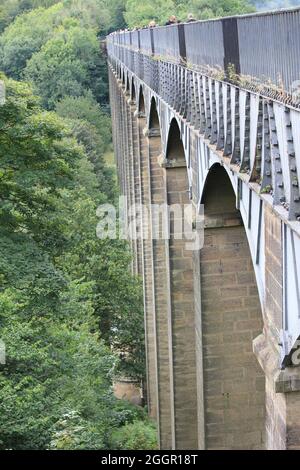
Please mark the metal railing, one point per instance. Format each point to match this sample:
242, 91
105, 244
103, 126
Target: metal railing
265, 46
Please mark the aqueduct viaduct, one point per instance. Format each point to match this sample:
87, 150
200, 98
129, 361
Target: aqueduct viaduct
200, 117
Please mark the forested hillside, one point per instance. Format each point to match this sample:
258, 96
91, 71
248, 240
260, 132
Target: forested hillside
68, 301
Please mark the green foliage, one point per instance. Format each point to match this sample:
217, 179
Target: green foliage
86, 108
67, 65
125, 413
59, 283
116, 9
71, 432
37, 155
54, 361
140, 13
9, 9
25, 36
138, 436
102, 14
70, 312
51, 369
205, 9
117, 300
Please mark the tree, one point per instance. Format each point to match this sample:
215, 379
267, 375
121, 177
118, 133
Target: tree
86, 108
117, 296
98, 13
205, 9
137, 435
68, 302
139, 14
58, 283
116, 9
25, 36
37, 157
46, 318
67, 65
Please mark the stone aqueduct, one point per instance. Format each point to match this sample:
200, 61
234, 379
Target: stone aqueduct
196, 121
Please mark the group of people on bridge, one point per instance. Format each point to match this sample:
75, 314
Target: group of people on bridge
171, 21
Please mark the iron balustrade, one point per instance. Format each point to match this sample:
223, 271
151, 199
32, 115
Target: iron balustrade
264, 47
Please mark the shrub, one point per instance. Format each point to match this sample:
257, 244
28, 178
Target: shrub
139, 435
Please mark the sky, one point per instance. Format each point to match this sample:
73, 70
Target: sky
273, 4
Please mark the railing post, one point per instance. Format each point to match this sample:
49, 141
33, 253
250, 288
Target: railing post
231, 44
152, 41
181, 41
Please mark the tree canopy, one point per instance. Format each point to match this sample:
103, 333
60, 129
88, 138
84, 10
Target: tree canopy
69, 304
66, 297
139, 14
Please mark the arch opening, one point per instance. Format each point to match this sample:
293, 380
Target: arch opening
175, 149
218, 195
127, 84
141, 105
132, 92
154, 125
234, 398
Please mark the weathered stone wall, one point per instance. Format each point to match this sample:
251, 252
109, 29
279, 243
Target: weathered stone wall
234, 382
183, 319
162, 300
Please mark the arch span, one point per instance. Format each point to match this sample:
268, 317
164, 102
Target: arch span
175, 149
154, 122
234, 399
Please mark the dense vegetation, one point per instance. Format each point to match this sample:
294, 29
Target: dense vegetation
140, 13
68, 302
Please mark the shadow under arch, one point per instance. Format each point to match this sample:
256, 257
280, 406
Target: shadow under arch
218, 193
234, 383
127, 83
175, 150
141, 103
132, 91
123, 77
154, 124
